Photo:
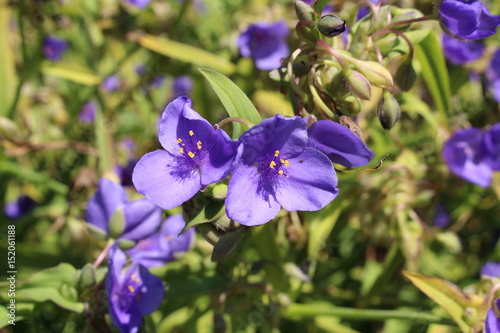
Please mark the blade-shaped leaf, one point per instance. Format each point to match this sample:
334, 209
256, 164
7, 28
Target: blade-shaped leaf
52, 277
8, 80
48, 294
72, 73
235, 101
446, 294
187, 53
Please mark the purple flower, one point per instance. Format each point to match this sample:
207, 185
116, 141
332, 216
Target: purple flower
110, 211
17, 208
328, 9
338, 143
492, 323
110, 83
441, 216
265, 43
277, 169
459, 52
125, 172
491, 269
140, 69
195, 155
141, 4
493, 75
462, 153
157, 81
53, 48
132, 293
491, 147
163, 246
182, 86
87, 115
468, 19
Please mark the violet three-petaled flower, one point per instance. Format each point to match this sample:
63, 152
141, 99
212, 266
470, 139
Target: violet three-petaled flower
468, 19
19, 207
195, 155
53, 48
491, 268
265, 43
132, 293
492, 323
88, 113
459, 52
491, 147
110, 203
163, 246
278, 169
493, 75
110, 83
182, 86
441, 217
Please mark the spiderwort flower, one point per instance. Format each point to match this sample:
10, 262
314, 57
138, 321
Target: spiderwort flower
493, 75
265, 43
87, 115
492, 269
195, 155
163, 246
53, 48
441, 216
182, 86
339, 144
459, 52
491, 147
17, 208
492, 323
277, 169
132, 293
138, 219
468, 19
110, 83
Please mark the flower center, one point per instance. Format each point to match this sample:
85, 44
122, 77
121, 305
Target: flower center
274, 167
192, 148
133, 286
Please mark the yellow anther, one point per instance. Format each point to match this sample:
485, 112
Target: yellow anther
190, 154
282, 160
272, 164
276, 153
280, 172
137, 281
179, 140
287, 164
181, 150
191, 133
131, 289
198, 144
133, 276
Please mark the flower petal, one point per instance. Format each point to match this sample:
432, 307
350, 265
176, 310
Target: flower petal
170, 231
165, 179
338, 143
152, 290
311, 182
491, 146
105, 201
167, 128
142, 219
249, 201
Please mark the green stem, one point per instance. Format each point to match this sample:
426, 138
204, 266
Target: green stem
301, 311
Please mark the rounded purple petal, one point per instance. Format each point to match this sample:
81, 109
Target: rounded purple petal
491, 268
182, 86
105, 201
53, 48
17, 208
142, 219
463, 157
88, 113
111, 83
165, 179
309, 183
250, 201
152, 292
141, 4
459, 52
492, 323
491, 146
338, 143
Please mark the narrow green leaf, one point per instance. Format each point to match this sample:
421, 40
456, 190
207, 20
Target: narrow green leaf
234, 100
72, 73
187, 53
448, 295
48, 294
8, 79
52, 277
430, 55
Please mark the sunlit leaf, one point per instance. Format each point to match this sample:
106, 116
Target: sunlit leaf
72, 73
43, 294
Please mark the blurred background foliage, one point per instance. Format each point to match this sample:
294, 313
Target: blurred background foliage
348, 255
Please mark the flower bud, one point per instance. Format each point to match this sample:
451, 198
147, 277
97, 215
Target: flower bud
388, 110
350, 106
306, 32
304, 11
219, 191
117, 223
227, 245
87, 277
359, 85
405, 75
331, 25
382, 18
377, 74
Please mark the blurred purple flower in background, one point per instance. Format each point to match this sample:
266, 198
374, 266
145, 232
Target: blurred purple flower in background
53, 48
17, 208
195, 155
141, 4
491, 147
111, 83
140, 69
157, 81
365, 10
277, 169
265, 43
491, 268
163, 246
132, 293
492, 323
326, 10
125, 172
493, 75
441, 217
468, 19
459, 52
87, 115
111, 212
182, 86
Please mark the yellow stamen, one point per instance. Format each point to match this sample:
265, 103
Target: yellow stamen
137, 281
190, 154
272, 164
198, 144
276, 153
179, 140
287, 164
131, 289
191, 133
280, 172
181, 150
282, 160
133, 276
